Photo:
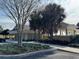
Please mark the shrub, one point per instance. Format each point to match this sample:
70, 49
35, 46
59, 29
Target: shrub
75, 39
27, 47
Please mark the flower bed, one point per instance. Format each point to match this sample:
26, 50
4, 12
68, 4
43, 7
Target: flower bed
11, 49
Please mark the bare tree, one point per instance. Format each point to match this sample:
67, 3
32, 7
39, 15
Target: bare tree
19, 11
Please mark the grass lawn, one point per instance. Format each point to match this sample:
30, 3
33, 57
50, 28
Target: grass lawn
10, 49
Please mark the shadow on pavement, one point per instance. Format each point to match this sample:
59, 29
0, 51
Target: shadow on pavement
37, 56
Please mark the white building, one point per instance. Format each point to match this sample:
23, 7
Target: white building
67, 29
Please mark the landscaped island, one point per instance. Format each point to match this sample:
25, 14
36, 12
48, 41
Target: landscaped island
11, 49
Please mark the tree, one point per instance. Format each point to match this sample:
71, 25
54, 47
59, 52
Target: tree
1, 29
60, 20
77, 25
5, 32
50, 19
35, 22
53, 15
19, 11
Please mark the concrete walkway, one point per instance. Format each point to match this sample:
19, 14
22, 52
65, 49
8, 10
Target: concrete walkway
66, 48
62, 48
69, 49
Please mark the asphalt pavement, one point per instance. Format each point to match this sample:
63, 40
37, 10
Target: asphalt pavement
57, 55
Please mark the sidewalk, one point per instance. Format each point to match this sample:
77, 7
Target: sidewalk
62, 48
69, 49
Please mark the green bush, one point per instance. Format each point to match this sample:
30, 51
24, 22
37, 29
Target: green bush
76, 39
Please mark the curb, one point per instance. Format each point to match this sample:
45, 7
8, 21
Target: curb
29, 55
68, 51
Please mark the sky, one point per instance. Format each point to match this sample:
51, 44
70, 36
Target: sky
71, 10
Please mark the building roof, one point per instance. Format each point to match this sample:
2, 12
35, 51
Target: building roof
67, 26
26, 27
26, 30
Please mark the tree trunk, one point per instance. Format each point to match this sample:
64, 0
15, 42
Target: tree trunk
19, 38
39, 37
66, 32
35, 37
51, 33
19, 35
60, 32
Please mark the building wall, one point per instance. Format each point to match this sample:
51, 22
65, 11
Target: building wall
66, 32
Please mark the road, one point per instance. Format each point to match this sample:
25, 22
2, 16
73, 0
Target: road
57, 55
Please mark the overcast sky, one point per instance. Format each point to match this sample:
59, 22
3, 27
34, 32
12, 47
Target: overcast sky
71, 10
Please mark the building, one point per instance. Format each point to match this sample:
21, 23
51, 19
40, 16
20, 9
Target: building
28, 34
64, 30
67, 29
